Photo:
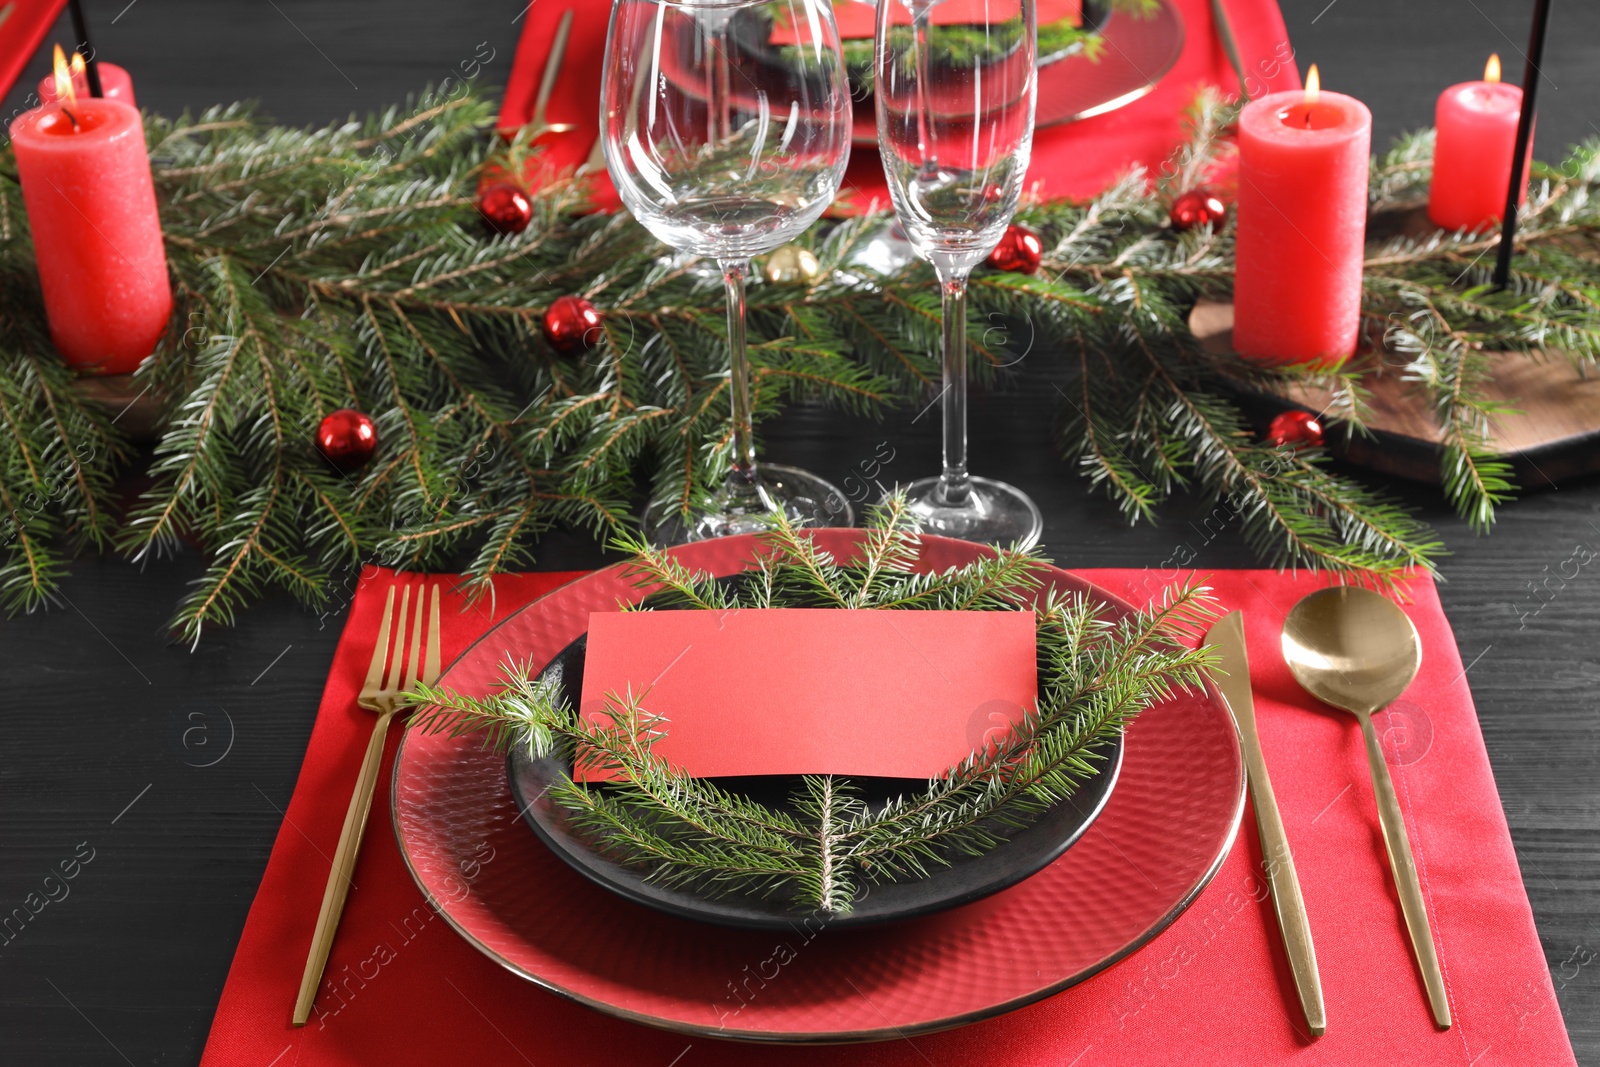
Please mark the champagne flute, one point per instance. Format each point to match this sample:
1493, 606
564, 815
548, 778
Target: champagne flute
725, 147
955, 127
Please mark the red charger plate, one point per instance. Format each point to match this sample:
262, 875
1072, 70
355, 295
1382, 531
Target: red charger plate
1137, 52
1159, 840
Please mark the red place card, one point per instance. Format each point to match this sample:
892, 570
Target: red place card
901, 694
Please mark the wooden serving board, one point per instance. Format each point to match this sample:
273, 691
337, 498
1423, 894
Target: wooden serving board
1553, 434
135, 408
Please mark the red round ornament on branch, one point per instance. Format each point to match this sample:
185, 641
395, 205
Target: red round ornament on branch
347, 438
1019, 251
505, 207
1297, 429
1196, 208
572, 324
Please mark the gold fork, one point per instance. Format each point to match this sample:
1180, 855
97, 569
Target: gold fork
381, 693
547, 84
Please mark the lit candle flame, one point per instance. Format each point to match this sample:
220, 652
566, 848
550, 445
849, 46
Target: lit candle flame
1313, 85
64, 91
1491, 69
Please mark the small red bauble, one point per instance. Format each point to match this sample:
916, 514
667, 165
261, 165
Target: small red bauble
347, 438
505, 207
1297, 429
571, 324
1019, 251
1196, 208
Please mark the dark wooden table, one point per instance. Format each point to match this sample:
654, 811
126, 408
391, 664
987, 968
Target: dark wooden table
173, 765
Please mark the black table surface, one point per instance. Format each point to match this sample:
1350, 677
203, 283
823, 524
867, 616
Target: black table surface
173, 765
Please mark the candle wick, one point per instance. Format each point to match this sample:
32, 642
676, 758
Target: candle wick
1308, 118
71, 116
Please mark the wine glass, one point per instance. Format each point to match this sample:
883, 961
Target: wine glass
725, 145
955, 127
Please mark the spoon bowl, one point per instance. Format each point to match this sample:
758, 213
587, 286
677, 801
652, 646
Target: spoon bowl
1352, 648
1355, 649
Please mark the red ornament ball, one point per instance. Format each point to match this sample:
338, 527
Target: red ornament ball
1297, 429
505, 207
572, 324
347, 438
1196, 208
1019, 251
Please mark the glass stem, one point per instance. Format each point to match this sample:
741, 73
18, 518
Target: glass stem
921, 18
743, 484
954, 485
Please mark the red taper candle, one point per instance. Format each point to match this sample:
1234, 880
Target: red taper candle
1302, 213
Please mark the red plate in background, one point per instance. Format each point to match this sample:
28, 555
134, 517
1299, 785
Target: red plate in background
1137, 50
1158, 841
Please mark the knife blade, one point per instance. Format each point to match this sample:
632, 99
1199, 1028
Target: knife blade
1227, 638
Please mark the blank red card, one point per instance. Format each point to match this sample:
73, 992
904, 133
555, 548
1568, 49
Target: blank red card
902, 694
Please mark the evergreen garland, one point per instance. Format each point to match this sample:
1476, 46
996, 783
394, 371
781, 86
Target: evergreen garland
346, 266
1096, 674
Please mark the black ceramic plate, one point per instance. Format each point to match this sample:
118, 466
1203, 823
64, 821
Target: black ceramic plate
1027, 851
750, 31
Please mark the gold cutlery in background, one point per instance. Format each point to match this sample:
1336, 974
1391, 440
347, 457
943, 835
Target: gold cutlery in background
1227, 638
597, 151
381, 693
547, 83
597, 157
1356, 650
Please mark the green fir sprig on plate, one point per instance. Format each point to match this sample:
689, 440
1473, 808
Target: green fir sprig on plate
1096, 673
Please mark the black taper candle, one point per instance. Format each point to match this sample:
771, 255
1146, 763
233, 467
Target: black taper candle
91, 65
1519, 154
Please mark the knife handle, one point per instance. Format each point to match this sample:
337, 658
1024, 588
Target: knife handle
1287, 901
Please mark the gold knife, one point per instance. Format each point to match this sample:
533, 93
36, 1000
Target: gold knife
1227, 637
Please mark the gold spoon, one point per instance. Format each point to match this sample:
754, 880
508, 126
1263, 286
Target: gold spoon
1355, 649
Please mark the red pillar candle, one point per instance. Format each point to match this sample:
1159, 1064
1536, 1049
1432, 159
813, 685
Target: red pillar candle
115, 84
1301, 221
1476, 124
96, 234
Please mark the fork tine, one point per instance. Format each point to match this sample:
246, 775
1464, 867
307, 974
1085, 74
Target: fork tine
430, 669
391, 677
416, 647
380, 650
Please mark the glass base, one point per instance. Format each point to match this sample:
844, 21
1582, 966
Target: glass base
994, 513
807, 499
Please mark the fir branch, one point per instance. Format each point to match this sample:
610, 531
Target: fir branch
346, 266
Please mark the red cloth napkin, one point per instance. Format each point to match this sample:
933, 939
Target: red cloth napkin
1078, 159
1212, 990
